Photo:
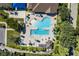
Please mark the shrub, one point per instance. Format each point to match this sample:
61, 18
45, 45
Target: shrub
4, 14
27, 48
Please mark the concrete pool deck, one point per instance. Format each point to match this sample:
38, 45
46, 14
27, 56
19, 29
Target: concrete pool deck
42, 38
20, 14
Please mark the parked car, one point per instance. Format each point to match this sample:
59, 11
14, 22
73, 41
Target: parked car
22, 37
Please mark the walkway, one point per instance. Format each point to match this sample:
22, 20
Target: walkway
20, 14
22, 51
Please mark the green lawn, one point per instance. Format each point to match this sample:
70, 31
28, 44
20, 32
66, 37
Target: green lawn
2, 19
76, 52
77, 48
2, 25
3, 14
78, 20
12, 37
77, 31
11, 22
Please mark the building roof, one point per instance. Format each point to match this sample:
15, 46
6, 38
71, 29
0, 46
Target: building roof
43, 7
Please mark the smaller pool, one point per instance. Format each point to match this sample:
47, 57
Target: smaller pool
39, 32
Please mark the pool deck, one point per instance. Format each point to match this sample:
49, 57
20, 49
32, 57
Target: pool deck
20, 14
44, 38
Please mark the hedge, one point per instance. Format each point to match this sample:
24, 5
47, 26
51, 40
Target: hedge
27, 48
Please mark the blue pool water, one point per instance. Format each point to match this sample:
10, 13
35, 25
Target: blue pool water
39, 32
44, 23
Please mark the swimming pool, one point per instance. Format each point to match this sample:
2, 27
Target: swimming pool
39, 32
40, 25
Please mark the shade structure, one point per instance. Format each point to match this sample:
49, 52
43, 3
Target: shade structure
19, 6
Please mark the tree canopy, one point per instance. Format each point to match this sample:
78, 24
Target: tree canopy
67, 37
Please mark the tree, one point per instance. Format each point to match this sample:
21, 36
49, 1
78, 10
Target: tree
4, 14
59, 50
64, 12
12, 23
67, 37
5, 52
77, 28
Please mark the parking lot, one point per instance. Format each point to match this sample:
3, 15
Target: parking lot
2, 35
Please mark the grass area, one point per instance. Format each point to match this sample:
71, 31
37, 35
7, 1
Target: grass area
15, 23
12, 37
11, 22
3, 14
2, 19
2, 25
76, 52
30, 54
77, 48
78, 20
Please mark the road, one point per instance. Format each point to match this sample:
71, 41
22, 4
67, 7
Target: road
74, 13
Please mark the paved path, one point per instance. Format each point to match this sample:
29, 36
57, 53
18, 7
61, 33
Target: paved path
21, 51
4, 23
5, 38
10, 29
21, 14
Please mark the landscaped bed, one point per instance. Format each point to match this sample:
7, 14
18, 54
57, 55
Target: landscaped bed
76, 52
3, 14
27, 48
13, 37
11, 22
